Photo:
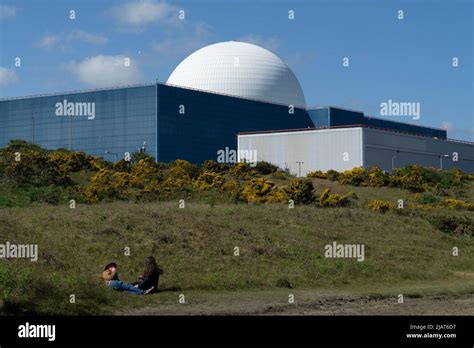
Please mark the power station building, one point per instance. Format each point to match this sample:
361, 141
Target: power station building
229, 95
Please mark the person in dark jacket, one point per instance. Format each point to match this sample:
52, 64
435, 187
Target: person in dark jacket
151, 275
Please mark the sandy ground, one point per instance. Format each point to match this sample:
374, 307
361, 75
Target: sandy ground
238, 304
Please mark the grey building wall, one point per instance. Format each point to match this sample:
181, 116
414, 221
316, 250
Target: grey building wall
380, 147
345, 148
337, 149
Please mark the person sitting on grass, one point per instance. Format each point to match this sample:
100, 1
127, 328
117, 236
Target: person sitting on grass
151, 275
111, 279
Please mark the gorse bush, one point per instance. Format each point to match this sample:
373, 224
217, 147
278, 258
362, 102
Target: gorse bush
326, 199
354, 177
378, 177
317, 174
208, 180
457, 204
242, 171
413, 178
300, 191
380, 206
55, 177
260, 190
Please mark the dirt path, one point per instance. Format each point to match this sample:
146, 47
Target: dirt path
258, 304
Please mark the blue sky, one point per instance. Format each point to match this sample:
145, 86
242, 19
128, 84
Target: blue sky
407, 60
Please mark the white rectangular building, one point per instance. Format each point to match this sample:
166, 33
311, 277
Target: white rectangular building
343, 148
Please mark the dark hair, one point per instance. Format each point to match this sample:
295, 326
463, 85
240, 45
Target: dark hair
110, 265
151, 267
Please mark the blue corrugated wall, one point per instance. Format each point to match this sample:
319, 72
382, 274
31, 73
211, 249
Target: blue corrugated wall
211, 122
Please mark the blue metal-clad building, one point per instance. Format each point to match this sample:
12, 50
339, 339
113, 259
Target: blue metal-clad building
216, 93
174, 122
330, 116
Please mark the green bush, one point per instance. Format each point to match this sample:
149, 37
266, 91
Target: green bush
426, 198
265, 168
333, 175
47, 194
453, 224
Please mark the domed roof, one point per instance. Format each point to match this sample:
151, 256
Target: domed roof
242, 70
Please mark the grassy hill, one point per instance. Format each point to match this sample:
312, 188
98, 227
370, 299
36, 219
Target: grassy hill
279, 248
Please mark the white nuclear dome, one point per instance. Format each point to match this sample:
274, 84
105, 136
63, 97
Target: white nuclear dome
242, 70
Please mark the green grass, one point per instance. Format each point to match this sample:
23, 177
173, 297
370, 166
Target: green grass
195, 247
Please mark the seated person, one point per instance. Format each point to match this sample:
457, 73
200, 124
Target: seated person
111, 279
151, 275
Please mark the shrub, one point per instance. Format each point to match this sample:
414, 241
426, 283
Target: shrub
68, 162
241, 171
145, 172
265, 168
449, 179
378, 177
300, 191
333, 175
180, 175
190, 169
284, 283
46, 194
453, 224
335, 200
208, 180
233, 189
355, 177
457, 204
317, 174
211, 166
122, 166
380, 206
281, 175
426, 198
260, 190
412, 178
138, 155
33, 169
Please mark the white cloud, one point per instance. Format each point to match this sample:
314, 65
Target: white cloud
47, 41
7, 76
7, 12
143, 12
87, 37
104, 71
61, 41
448, 126
270, 43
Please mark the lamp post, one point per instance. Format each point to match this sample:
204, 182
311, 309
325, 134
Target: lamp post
393, 160
111, 153
143, 148
299, 167
441, 160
